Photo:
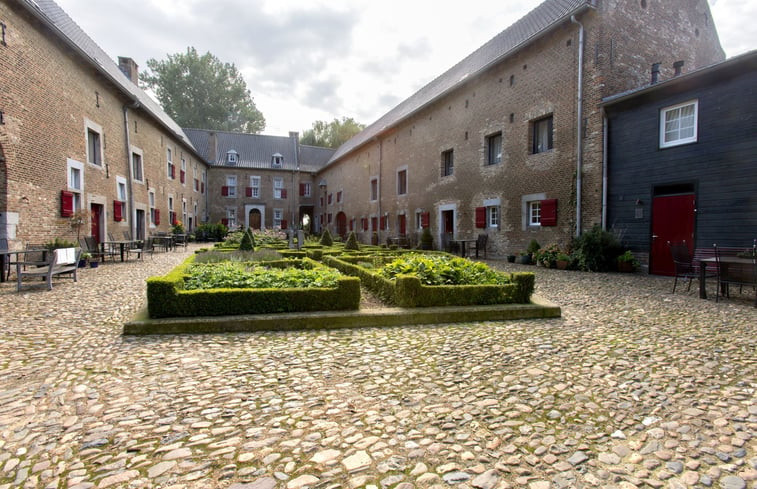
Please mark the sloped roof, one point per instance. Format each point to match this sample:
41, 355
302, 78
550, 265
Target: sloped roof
537, 22
255, 150
63, 26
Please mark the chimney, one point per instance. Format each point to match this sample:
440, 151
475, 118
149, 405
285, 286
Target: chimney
295, 137
677, 67
212, 148
655, 72
129, 68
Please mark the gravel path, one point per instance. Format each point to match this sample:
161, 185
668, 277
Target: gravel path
632, 387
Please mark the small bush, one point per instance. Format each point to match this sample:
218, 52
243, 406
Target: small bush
533, 247
326, 239
352, 243
443, 270
248, 242
60, 243
596, 250
427, 241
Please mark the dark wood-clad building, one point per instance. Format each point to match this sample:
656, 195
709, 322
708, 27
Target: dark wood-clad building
682, 161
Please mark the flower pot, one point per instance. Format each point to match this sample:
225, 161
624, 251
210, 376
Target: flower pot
94, 264
511, 258
524, 259
82, 263
625, 266
562, 264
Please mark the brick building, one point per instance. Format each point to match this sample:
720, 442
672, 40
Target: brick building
77, 134
259, 181
509, 141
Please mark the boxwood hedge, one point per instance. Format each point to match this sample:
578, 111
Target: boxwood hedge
166, 296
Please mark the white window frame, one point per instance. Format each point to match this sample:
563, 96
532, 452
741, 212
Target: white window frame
664, 143
308, 189
138, 152
278, 216
96, 128
255, 186
534, 213
232, 187
122, 191
278, 186
151, 205
184, 169
169, 162
231, 217
419, 220
399, 171
492, 212
374, 198
184, 211
77, 190
277, 161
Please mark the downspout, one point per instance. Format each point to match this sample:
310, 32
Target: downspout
605, 131
130, 169
380, 187
579, 125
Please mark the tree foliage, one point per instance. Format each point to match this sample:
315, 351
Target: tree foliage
331, 134
203, 92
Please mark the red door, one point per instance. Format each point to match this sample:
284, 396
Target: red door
402, 224
672, 220
341, 224
97, 212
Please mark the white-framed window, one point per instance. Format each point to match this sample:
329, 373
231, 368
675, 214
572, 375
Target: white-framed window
231, 185
231, 217
678, 124
307, 189
94, 134
121, 188
278, 187
402, 181
255, 186
534, 213
374, 188
183, 174
492, 216
151, 202
75, 180
542, 135
278, 216
171, 212
137, 166
419, 221
494, 148
277, 160
170, 172
184, 210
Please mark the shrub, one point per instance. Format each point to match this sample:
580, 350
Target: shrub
547, 256
229, 275
60, 243
427, 241
443, 270
596, 250
248, 241
533, 247
326, 239
352, 243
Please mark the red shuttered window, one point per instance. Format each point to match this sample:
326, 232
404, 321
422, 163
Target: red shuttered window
66, 203
480, 217
549, 212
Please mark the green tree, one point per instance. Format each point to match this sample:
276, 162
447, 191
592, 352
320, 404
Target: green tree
203, 92
331, 134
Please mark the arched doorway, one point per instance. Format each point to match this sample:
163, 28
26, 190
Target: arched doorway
255, 219
341, 224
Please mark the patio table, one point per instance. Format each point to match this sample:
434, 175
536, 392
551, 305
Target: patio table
724, 260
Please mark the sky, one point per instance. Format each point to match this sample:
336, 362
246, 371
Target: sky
323, 59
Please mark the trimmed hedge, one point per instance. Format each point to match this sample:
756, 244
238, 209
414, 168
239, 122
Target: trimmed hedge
166, 296
407, 291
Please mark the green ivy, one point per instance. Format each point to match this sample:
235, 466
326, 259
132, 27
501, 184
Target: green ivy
443, 270
250, 276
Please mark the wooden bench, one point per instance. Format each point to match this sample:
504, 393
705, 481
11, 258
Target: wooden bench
62, 261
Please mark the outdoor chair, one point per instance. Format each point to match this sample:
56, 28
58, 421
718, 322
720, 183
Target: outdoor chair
730, 272
684, 264
93, 249
61, 261
127, 235
481, 242
6, 260
140, 248
110, 236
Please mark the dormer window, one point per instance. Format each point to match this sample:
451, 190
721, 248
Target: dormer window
277, 160
232, 157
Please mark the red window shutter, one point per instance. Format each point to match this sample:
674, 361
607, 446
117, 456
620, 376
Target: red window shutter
197, 184
224, 191
182, 175
549, 212
330, 198
283, 224
425, 218
202, 187
66, 203
283, 193
352, 224
302, 189
248, 191
480, 217
374, 223
118, 208
225, 222
157, 216
173, 171
364, 223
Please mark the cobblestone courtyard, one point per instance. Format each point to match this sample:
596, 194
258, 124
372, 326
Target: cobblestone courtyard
633, 387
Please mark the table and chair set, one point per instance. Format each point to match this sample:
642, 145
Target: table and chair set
729, 266
39, 261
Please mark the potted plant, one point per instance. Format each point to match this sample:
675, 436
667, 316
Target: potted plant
562, 262
547, 256
83, 258
627, 262
524, 258
532, 250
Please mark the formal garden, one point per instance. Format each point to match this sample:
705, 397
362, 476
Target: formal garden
258, 274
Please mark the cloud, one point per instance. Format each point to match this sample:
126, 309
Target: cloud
323, 95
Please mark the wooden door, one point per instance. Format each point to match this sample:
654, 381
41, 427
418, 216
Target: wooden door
341, 224
97, 218
255, 219
672, 221
402, 224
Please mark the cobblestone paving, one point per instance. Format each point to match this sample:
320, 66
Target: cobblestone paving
633, 387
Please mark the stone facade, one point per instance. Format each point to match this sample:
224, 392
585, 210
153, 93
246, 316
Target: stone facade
55, 101
531, 89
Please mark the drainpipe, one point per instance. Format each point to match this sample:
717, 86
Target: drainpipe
579, 126
605, 127
380, 187
129, 169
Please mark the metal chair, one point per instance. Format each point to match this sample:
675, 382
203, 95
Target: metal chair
481, 242
683, 263
6, 259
